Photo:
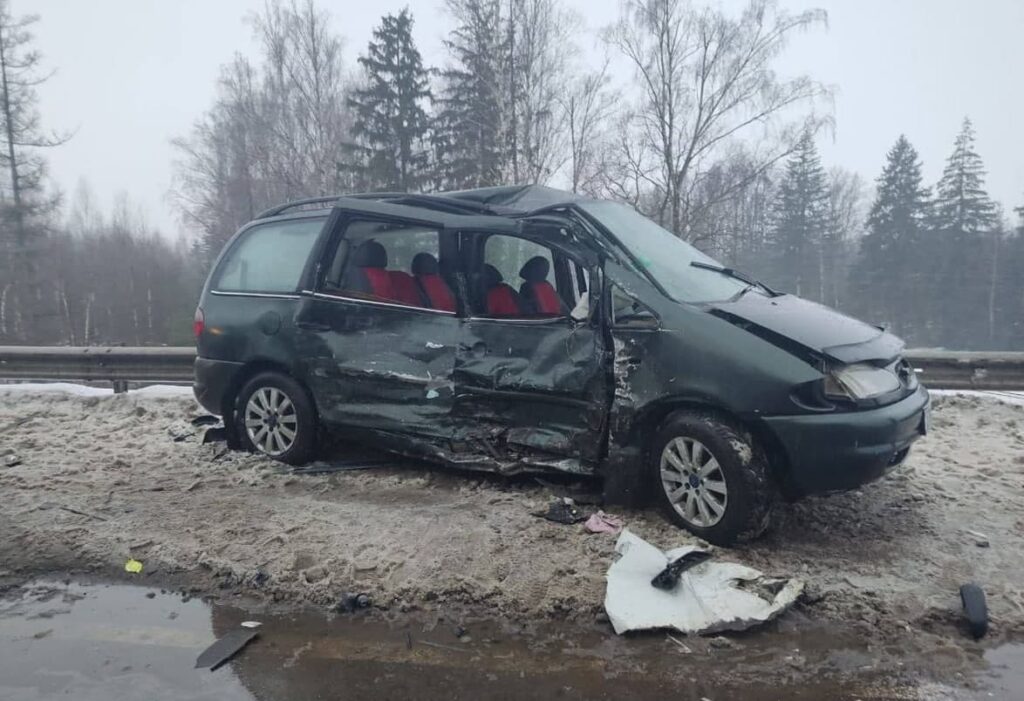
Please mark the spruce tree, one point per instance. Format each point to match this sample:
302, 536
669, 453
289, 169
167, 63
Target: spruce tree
965, 222
961, 204
887, 276
801, 220
469, 142
390, 120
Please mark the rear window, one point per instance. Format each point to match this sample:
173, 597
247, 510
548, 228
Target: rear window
268, 258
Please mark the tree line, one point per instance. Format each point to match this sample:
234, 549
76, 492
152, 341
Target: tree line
683, 117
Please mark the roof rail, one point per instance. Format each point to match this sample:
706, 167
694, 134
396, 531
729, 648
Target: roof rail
448, 204
435, 202
282, 208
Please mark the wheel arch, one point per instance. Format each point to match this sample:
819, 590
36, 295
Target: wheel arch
248, 371
652, 416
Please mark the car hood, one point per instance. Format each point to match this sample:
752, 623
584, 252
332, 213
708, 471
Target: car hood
786, 320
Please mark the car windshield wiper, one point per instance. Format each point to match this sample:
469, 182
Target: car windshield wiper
751, 283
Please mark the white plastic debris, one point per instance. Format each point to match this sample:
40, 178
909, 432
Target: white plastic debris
710, 597
251, 624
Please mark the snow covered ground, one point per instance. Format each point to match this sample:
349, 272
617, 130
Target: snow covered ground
102, 478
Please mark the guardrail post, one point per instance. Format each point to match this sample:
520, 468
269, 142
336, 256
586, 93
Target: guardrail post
120, 386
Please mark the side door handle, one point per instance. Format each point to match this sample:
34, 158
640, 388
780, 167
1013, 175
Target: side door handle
312, 325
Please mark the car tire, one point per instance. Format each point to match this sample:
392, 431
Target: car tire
276, 417
711, 478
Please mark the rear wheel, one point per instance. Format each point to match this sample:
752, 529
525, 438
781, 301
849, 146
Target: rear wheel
276, 417
711, 478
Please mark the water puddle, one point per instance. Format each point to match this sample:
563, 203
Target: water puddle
100, 642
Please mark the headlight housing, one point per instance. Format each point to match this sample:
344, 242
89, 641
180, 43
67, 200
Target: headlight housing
860, 381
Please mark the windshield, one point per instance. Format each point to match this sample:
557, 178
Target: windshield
665, 257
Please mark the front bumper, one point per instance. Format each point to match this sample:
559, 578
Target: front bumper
212, 378
843, 450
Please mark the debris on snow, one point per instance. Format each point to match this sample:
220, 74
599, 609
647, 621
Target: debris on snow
975, 609
980, 539
562, 510
709, 597
224, 649
600, 522
668, 578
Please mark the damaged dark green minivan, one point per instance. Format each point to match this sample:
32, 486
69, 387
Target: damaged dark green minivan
524, 329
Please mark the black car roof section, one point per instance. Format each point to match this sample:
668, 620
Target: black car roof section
503, 200
520, 199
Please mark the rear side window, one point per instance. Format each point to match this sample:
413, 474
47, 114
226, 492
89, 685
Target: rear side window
268, 258
392, 262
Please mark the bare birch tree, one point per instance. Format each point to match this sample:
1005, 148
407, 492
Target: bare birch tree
707, 79
540, 43
275, 132
587, 104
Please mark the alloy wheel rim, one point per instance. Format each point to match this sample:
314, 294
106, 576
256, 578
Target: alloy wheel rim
694, 482
271, 421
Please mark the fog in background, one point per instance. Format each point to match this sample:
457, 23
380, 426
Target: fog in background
864, 155
133, 75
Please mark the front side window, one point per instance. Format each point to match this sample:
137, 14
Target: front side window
666, 257
517, 280
268, 258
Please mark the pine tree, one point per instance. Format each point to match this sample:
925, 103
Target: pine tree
887, 277
961, 203
965, 223
801, 220
469, 142
390, 120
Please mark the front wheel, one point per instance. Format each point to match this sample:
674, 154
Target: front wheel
276, 417
711, 477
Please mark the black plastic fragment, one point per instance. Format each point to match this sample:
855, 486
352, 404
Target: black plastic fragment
225, 648
668, 578
351, 603
216, 434
563, 511
975, 609
205, 420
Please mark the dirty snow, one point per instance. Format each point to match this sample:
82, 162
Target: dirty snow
102, 479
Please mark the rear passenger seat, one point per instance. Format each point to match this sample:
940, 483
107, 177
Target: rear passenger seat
404, 289
431, 284
425, 287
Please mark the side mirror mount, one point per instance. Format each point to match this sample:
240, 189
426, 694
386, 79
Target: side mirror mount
639, 319
627, 312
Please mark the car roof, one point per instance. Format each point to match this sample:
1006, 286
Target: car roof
509, 201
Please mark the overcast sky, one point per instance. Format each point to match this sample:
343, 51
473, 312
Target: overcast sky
132, 74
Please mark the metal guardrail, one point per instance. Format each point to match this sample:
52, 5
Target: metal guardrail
119, 366
980, 370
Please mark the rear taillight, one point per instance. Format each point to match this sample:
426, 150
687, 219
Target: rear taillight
198, 323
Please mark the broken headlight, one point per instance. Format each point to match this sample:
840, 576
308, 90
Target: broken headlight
860, 381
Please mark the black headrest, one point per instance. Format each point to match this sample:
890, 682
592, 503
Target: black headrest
371, 254
491, 276
535, 270
424, 264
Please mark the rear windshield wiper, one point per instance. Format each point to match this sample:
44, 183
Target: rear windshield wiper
751, 282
